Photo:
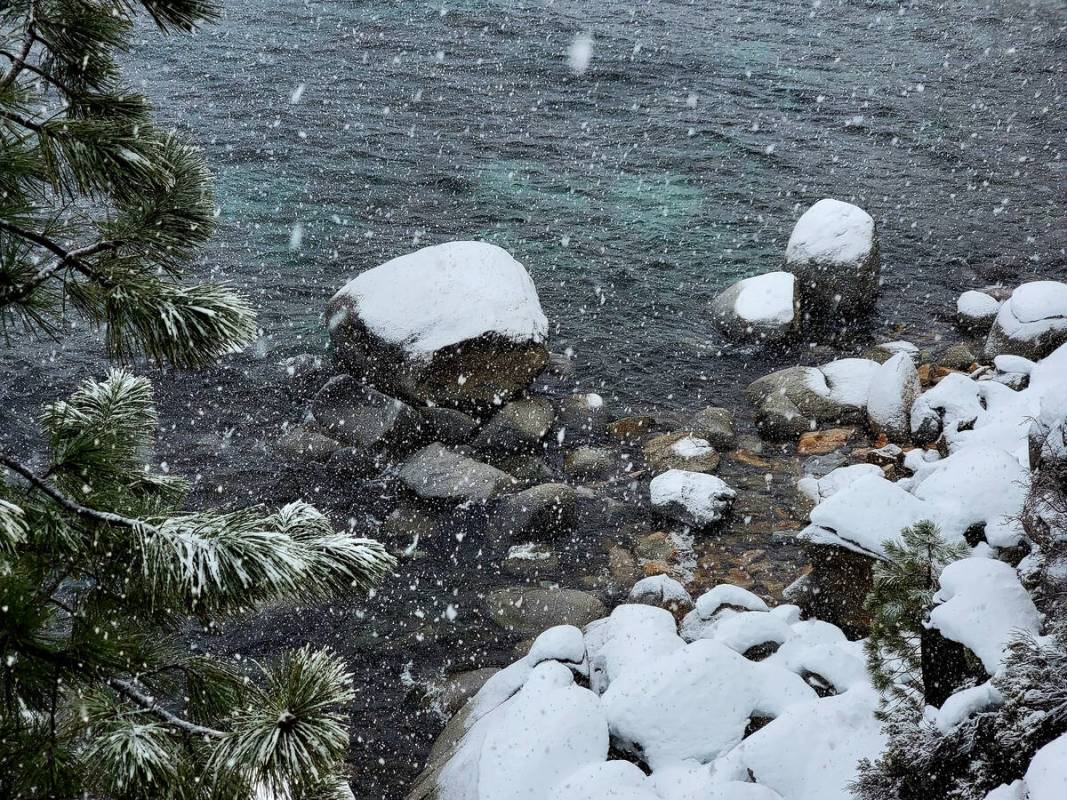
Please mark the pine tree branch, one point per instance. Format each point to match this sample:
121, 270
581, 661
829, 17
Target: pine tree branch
148, 703
68, 259
16, 58
19, 62
70, 505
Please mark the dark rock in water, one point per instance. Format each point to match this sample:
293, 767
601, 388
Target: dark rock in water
531, 560
405, 523
716, 425
357, 414
836, 588
527, 470
356, 462
560, 366
594, 463
632, 429
833, 252
680, 451
300, 445
779, 420
457, 324
517, 427
544, 512
448, 425
437, 474
530, 611
583, 415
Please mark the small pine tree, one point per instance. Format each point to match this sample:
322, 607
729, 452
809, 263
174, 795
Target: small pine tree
100, 568
900, 599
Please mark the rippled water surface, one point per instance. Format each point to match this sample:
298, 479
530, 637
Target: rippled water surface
677, 163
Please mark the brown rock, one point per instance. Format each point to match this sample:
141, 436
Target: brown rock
750, 458
631, 429
622, 566
680, 450
651, 568
819, 443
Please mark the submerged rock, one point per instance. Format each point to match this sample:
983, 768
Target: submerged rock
437, 474
301, 445
547, 511
833, 251
762, 308
455, 324
594, 463
356, 414
529, 611
519, 426
584, 414
716, 425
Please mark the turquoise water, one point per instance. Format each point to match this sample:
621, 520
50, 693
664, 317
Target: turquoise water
677, 163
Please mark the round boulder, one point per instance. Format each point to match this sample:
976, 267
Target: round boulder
1031, 323
761, 309
833, 252
455, 324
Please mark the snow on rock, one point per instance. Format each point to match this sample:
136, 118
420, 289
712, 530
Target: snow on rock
563, 643
692, 498
747, 629
818, 489
1046, 777
892, 391
979, 485
966, 703
662, 591
609, 780
848, 380
1032, 322
955, 401
835, 392
1015, 791
695, 703
981, 605
631, 637
760, 308
456, 323
833, 251
863, 515
812, 750
976, 311
547, 731
726, 594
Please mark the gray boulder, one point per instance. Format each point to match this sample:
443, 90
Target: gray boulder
456, 324
301, 445
437, 474
530, 611
680, 451
592, 463
716, 425
833, 251
583, 414
779, 420
517, 427
762, 308
544, 512
1031, 323
356, 414
448, 425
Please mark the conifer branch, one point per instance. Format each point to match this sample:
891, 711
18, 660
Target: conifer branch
149, 703
18, 63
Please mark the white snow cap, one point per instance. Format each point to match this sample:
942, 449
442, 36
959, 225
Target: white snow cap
446, 294
766, 298
831, 232
976, 305
1046, 777
696, 498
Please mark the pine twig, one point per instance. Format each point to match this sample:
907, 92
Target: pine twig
148, 703
19, 62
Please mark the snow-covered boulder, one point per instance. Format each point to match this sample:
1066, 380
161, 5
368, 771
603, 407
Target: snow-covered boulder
762, 308
893, 388
976, 311
696, 702
818, 489
633, 637
692, 498
1031, 323
680, 451
661, 591
1046, 777
833, 251
453, 324
981, 604
953, 403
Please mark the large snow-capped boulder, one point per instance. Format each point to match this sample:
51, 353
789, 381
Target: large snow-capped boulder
893, 389
692, 498
833, 251
1031, 323
454, 324
762, 308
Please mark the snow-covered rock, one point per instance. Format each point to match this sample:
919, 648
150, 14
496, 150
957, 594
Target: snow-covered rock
1046, 777
818, 489
680, 451
633, 636
833, 251
696, 702
864, 515
662, 591
966, 703
455, 324
692, 498
976, 311
761, 308
982, 605
892, 390
1032, 322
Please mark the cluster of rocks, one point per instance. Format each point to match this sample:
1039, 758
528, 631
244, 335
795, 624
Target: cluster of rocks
830, 277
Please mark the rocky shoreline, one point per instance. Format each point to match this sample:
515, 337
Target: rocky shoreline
531, 505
